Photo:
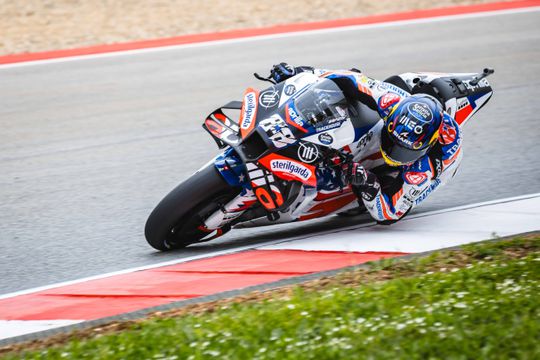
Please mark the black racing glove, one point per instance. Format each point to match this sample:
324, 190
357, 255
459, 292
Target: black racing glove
281, 72
364, 182
356, 174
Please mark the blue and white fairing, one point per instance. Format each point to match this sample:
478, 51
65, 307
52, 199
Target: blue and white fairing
285, 121
336, 131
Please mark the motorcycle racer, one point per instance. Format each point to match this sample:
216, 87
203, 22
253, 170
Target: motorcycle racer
320, 142
414, 148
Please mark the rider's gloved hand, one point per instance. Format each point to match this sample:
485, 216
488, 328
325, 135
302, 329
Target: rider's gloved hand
281, 72
358, 176
364, 182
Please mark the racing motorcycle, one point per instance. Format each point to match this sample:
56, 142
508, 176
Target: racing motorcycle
283, 159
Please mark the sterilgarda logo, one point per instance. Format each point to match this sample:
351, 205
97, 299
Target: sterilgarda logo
250, 106
292, 168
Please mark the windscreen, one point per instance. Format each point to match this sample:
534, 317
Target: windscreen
323, 101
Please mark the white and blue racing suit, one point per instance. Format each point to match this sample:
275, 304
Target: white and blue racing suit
391, 192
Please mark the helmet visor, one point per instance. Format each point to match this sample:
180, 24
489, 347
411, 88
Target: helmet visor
396, 155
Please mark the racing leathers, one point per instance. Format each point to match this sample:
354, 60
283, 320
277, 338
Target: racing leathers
389, 192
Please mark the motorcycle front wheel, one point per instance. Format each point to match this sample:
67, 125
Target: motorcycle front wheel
175, 221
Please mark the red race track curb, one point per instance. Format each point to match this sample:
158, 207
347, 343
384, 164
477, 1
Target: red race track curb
138, 290
278, 29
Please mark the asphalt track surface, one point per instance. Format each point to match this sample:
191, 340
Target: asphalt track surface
89, 147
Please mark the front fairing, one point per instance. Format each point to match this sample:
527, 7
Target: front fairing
232, 168
276, 143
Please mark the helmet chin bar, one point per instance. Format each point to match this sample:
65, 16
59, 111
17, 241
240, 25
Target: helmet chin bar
391, 162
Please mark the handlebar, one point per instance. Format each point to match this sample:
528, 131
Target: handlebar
485, 73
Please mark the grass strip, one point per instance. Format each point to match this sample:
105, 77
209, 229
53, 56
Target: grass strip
479, 302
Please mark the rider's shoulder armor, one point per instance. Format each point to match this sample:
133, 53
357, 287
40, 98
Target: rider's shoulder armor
449, 140
447, 148
387, 102
441, 156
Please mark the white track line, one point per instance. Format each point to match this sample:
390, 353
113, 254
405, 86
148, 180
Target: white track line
275, 36
12, 328
254, 246
430, 232
420, 215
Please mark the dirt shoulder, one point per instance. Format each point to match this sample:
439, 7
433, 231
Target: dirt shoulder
41, 25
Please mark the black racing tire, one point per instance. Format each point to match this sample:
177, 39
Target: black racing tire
174, 223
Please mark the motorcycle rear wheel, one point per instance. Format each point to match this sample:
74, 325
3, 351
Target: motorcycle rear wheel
175, 221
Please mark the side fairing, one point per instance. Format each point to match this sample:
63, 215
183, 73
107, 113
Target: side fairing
334, 138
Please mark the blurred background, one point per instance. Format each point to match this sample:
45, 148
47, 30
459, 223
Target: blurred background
39, 25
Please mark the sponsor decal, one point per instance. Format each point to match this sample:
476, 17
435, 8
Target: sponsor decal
368, 81
418, 164
214, 126
453, 149
369, 196
327, 127
427, 191
383, 86
406, 204
388, 99
364, 141
447, 134
289, 90
414, 192
420, 111
326, 139
249, 110
403, 138
379, 208
289, 169
277, 130
294, 116
269, 98
463, 103
415, 178
411, 124
308, 152
438, 166
364, 89
409, 200
292, 168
